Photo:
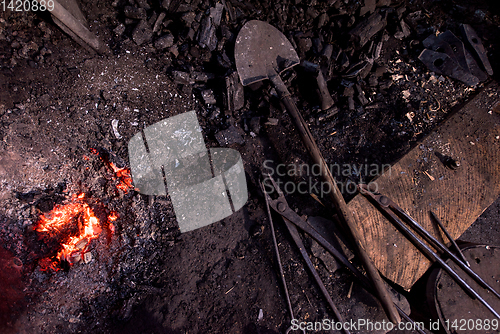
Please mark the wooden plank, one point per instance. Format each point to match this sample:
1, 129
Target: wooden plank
420, 182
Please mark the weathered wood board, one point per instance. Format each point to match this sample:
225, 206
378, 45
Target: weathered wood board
420, 182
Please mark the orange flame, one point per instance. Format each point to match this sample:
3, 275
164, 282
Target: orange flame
61, 218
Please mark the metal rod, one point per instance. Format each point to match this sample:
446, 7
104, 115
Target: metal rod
438, 245
427, 251
298, 241
278, 258
445, 231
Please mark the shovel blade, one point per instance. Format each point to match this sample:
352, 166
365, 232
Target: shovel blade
261, 50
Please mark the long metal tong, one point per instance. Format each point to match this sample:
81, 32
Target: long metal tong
281, 206
292, 221
391, 209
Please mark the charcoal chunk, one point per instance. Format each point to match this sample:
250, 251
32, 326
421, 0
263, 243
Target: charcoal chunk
134, 13
235, 97
304, 44
207, 37
164, 42
216, 13
201, 76
384, 3
365, 30
165, 4
188, 18
323, 20
369, 7
143, 4
142, 33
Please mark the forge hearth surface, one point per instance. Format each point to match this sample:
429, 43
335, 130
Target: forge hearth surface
83, 251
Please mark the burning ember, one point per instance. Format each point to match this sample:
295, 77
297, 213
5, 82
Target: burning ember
123, 174
76, 225
76, 220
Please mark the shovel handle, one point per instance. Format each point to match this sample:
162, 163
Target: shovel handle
337, 198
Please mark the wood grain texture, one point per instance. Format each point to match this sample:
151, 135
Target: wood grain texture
420, 182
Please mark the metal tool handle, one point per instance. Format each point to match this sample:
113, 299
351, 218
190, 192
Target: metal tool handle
337, 198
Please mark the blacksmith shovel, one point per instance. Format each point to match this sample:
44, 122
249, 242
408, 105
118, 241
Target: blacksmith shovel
263, 52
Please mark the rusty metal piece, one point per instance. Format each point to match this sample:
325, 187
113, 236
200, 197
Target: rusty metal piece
475, 43
457, 48
442, 63
463, 56
461, 65
451, 163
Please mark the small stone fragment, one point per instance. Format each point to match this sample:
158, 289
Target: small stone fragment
272, 121
229, 136
159, 21
255, 124
208, 96
182, 78
119, 30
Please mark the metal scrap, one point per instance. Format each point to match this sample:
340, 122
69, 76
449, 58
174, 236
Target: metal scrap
476, 45
442, 63
446, 54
